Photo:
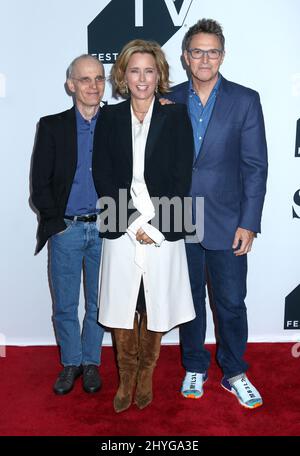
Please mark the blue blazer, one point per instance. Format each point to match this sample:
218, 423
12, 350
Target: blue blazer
231, 170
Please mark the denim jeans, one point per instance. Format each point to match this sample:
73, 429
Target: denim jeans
76, 248
227, 275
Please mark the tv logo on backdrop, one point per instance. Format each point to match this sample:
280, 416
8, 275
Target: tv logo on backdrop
292, 310
120, 22
297, 146
296, 207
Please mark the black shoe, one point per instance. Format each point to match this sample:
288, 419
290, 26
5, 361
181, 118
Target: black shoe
91, 379
66, 379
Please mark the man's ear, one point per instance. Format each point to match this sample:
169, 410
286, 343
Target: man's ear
70, 85
222, 59
186, 57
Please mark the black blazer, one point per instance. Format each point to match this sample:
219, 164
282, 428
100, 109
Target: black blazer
168, 159
53, 170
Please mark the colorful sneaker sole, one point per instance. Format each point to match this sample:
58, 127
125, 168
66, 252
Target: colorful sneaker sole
253, 406
189, 394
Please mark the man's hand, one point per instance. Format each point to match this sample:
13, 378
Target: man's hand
245, 238
142, 236
165, 101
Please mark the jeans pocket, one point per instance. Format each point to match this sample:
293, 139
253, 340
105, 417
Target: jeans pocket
69, 224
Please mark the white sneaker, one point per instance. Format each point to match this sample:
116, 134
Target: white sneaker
192, 386
246, 393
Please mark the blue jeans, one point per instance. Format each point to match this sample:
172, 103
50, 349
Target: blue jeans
227, 275
76, 248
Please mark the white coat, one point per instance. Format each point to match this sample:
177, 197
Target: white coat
162, 266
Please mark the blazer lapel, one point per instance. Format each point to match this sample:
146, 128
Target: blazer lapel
125, 130
70, 146
156, 125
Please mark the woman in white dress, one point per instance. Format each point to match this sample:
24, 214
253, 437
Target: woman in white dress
143, 154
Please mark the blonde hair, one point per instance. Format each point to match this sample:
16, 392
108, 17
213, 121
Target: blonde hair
144, 47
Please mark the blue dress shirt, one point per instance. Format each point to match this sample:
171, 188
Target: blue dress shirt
200, 115
83, 196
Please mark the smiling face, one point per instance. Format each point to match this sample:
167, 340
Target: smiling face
141, 76
204, 69
88, 92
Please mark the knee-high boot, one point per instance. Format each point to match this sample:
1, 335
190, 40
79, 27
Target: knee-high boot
149, 348
127, 357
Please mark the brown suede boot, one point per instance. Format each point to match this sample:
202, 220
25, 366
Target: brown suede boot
149, 348
127, 356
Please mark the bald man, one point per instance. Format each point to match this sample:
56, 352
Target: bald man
64, 194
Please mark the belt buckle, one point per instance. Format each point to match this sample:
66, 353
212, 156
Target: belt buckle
90, 218
85, 218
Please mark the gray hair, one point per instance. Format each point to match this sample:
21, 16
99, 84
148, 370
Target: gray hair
70, 70
204, 26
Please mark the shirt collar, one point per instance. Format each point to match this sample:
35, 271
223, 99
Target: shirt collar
81, 119
214, 90
147, 118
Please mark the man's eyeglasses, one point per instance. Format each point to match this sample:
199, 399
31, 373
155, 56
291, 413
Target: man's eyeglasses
86, 81
212, 54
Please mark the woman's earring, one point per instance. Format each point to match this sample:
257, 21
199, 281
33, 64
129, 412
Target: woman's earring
125, 87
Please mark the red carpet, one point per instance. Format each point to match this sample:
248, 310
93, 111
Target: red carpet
30, 408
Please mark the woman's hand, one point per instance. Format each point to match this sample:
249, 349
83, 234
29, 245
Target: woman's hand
165, 101
142, 237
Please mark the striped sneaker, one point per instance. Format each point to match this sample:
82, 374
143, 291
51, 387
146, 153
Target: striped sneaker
192, 386
246, 393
